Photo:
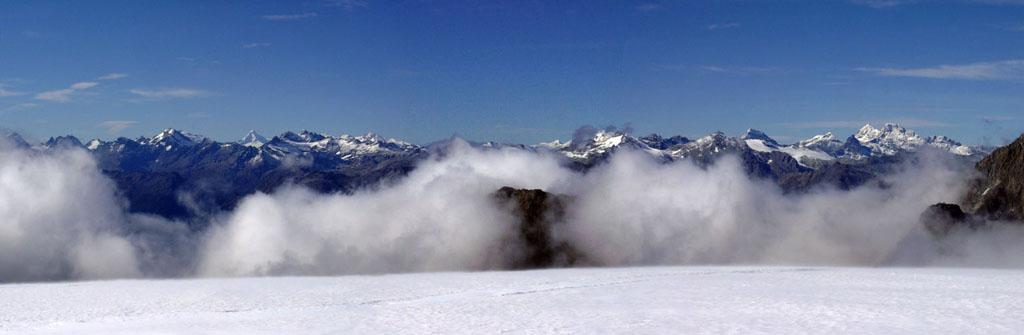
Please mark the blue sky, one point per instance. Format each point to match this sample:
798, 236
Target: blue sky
515, 71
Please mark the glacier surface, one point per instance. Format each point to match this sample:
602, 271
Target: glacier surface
609, 300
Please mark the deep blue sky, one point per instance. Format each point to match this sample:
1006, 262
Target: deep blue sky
516, 71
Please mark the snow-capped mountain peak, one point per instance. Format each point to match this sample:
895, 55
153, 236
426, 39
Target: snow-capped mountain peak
600, 144
603, 142
310, 136
754, 134
888, 140
759, 141
827, 137
554, 145
827, 142
867, 133
253, 139
948, 144
172, 137
93, 144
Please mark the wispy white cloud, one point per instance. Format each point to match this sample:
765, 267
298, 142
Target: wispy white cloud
255, 45
4, 92
348, 4
116, 126
743, 70
64, 95
648, 7
289, 17
20, 107
113, 76
169, 93
721, 26
1000, 70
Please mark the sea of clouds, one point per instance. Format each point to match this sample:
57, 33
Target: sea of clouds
61, 219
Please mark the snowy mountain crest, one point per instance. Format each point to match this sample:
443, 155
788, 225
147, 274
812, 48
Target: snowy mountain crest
754, 134
172, 137
253, 139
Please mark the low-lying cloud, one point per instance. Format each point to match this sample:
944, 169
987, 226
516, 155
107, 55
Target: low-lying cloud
62, 219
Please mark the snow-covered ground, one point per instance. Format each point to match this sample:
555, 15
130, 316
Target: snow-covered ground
628, 300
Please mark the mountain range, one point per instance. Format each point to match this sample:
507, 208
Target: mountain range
178, 174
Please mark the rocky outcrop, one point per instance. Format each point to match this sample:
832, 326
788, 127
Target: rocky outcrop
539, 213
943, 219
999, 194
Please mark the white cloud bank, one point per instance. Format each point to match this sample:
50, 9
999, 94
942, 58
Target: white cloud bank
63, 221
59, 219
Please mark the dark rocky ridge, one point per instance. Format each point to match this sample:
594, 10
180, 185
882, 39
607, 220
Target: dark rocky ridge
539, 213
943, 219
997, 195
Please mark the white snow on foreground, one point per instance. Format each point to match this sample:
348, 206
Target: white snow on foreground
628, 300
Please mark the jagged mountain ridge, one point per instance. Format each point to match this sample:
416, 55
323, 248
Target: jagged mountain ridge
868, 142
999, 194
179, 174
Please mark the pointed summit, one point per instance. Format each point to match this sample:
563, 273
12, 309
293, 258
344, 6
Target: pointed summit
310, 136
253, 139
754, 134
867, 133
67, 141
16, 140
172, 137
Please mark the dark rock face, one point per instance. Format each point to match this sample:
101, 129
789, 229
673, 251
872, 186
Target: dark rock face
942, 219
538, 213
1000, 193
997, 195
841, 176
658, 142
